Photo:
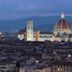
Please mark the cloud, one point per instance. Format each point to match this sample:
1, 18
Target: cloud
35, 4
20, 8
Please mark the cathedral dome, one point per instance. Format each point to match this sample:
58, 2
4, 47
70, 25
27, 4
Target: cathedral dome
62, 26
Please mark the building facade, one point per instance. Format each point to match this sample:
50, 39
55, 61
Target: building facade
62, 32
61, 66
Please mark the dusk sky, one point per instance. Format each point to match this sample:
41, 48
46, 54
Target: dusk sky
12, 9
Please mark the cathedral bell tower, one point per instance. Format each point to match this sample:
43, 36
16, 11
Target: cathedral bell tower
29, 30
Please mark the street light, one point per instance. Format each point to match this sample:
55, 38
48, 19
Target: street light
58, 69
69, 55
37, 61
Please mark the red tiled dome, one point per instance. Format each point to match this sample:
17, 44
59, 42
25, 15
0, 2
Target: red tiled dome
63, 24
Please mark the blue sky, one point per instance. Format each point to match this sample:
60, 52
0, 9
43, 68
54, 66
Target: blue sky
12, 9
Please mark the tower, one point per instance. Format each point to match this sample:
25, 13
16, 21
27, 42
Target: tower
29, 30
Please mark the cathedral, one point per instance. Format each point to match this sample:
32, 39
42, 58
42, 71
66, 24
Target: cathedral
62, 32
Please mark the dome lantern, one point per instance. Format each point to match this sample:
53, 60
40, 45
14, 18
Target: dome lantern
62, 15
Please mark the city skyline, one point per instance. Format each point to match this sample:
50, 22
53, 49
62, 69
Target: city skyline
35, 35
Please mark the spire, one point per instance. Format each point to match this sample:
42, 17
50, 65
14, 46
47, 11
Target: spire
62, 15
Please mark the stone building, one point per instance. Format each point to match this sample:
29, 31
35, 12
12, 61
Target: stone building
61, 66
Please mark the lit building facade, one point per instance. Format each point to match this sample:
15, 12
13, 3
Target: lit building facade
62, 32
61, 66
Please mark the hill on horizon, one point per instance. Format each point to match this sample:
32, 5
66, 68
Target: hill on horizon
42, 23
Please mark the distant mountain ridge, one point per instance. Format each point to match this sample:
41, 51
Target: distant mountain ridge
43, 23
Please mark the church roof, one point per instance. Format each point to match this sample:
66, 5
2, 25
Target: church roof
62, 23
22, 31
